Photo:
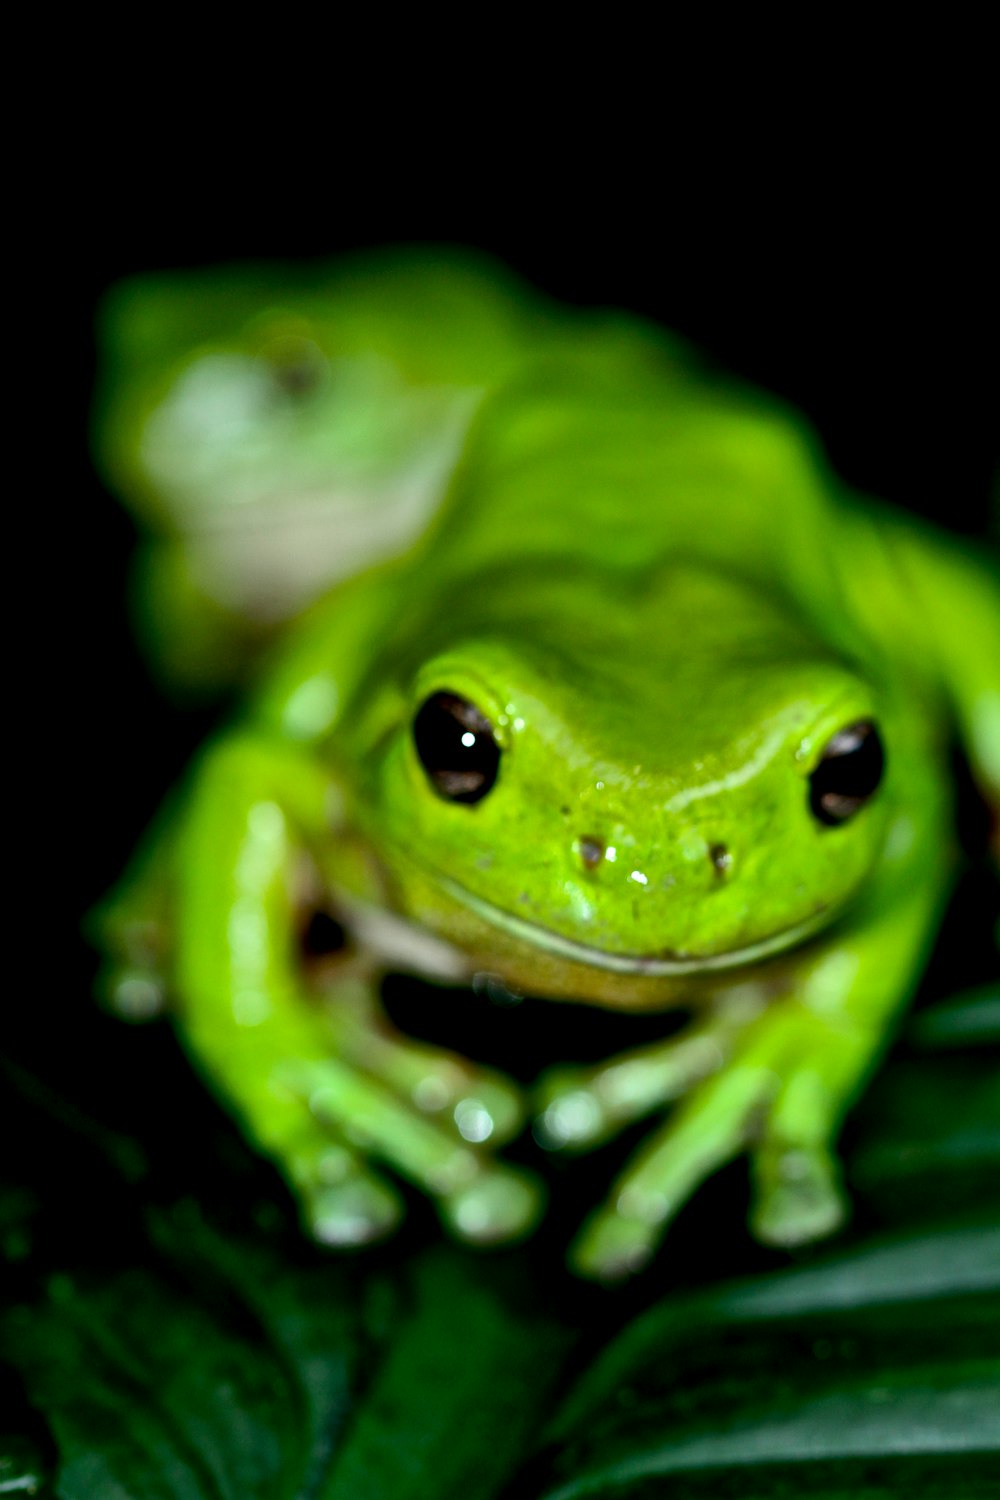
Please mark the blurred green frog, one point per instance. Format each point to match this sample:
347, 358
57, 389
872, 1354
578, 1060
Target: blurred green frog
572, 670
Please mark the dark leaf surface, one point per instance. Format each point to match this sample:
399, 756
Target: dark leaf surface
222, 1372
871, 1371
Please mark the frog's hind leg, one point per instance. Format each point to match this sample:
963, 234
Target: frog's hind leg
792, 1075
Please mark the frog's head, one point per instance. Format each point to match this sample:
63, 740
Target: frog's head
592, 792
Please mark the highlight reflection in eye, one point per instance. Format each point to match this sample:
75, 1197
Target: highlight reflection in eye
848, 774
456, 748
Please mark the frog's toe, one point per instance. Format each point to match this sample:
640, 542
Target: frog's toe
342, 1200
614, 1246
358, 1211
798, 1196
569, 1116
484, 1109
499, 1205
503, 1103
132, 993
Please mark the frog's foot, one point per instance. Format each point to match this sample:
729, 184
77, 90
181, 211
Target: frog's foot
581, 1107
324, 1120
798, 1194
343, 1201
484, 1107
346, 1203
780, 1095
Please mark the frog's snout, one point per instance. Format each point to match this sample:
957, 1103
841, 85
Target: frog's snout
592, 851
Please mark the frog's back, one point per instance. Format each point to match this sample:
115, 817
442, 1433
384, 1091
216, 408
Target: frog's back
628, 469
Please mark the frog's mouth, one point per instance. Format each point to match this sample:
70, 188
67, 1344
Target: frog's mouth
665, 963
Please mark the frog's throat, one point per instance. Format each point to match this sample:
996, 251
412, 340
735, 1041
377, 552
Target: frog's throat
631, 963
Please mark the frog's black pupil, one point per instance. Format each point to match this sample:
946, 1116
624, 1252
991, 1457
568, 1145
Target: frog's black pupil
456, 748
848, 773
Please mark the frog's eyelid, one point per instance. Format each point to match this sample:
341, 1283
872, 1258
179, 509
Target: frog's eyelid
848, 708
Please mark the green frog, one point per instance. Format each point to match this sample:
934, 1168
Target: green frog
587, 680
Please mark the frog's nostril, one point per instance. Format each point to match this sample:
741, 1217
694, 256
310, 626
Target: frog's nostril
591, 851
721, 859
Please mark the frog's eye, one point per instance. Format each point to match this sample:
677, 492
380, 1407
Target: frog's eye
456, 748
848, 773
295, 363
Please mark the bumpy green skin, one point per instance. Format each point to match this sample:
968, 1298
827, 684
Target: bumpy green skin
653, 589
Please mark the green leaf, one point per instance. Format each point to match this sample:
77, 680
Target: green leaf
890, 1350
462, 1390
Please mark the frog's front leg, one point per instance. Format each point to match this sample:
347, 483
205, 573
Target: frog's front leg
318, 1082
781, 1093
